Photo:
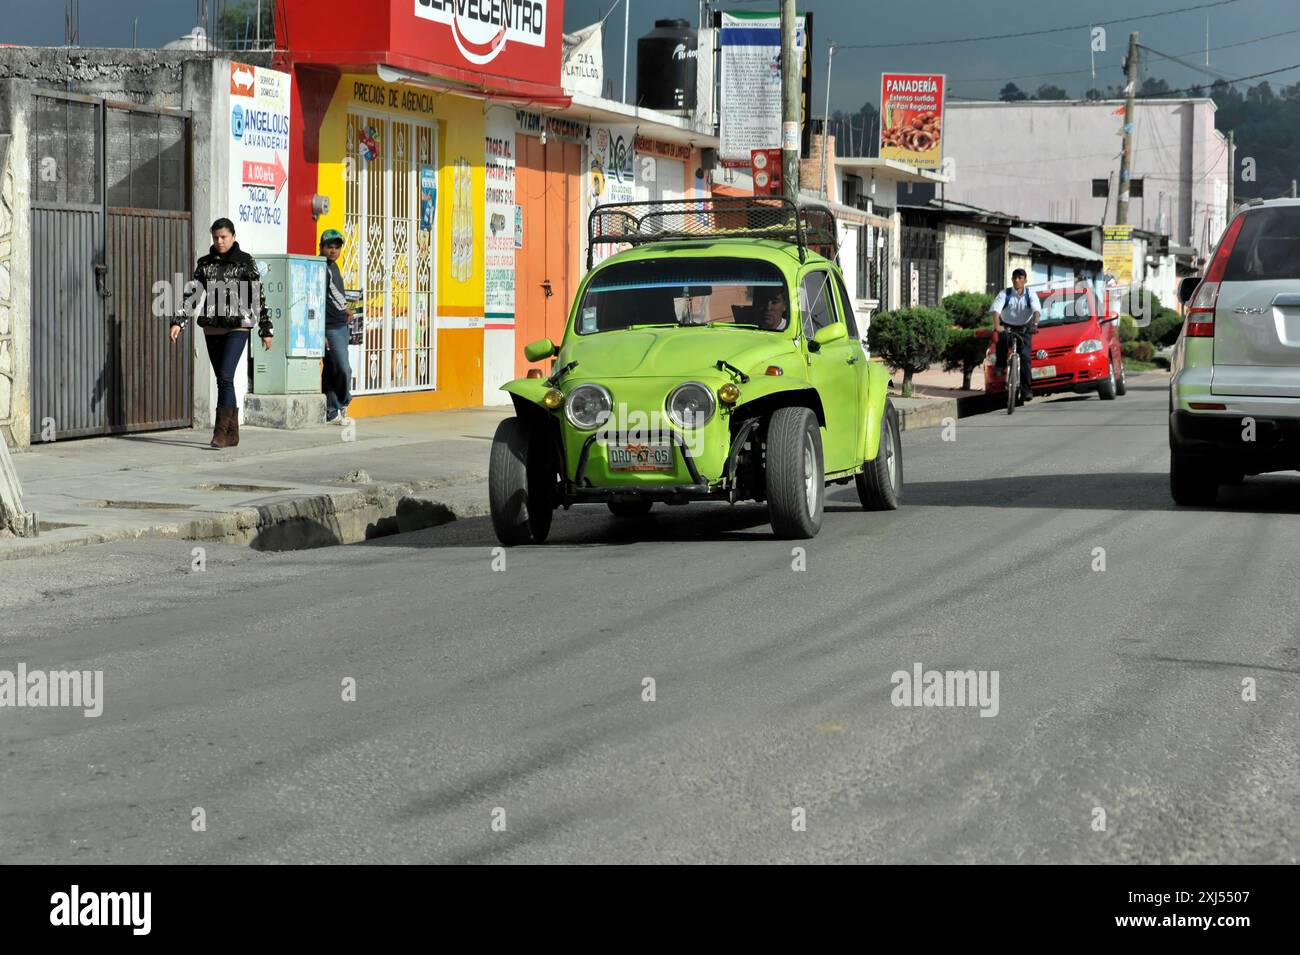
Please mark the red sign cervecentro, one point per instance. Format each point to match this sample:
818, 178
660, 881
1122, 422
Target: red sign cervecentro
502, 48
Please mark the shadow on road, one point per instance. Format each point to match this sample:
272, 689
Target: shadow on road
1125, 491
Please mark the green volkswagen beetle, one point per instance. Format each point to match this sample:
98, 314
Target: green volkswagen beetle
715, 359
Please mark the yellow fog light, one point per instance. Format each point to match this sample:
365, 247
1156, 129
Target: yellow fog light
728, 394
553, 398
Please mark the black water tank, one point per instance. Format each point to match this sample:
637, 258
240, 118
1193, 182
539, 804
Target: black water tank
665, 67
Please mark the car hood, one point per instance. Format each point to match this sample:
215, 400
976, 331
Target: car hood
1053, 336
673, 352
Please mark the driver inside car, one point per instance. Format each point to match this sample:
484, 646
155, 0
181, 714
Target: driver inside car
771, 307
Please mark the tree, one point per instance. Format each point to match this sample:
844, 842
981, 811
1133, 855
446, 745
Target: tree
1051, 92
1261, 93
1094, 94
965, 350
1011, 93
1153, 86
909, 340
237, 25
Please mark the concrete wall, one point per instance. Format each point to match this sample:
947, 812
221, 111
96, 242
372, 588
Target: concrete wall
15, 266
965, 259
1037, 161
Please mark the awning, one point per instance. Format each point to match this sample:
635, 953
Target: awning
1053, 243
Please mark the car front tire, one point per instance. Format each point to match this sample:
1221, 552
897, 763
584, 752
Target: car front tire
1106, 390
519, 481
796, 483
1192, 480
880, 485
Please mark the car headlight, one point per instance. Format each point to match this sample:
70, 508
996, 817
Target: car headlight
691, 405
588, 406
1088, 345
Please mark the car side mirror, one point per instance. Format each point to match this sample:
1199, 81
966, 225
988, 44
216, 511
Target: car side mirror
831, 333
1187, 288
540, 350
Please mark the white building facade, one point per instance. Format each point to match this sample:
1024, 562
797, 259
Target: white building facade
1058, 162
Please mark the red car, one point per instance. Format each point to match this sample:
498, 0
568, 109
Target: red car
1076, 348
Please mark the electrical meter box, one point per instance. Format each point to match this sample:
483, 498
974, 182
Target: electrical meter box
294, 287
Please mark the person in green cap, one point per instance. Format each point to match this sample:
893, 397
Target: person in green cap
336, 376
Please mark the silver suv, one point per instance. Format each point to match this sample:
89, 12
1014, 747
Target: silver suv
1234, 398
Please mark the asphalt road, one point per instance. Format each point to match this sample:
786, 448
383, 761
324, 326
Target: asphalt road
521, 689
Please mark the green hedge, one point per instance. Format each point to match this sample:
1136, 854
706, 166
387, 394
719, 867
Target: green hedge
909, 340
1142, 351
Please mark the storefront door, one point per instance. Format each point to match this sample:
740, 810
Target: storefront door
387, 256
548, 188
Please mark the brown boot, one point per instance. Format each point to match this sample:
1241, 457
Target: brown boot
232, 428
220, 434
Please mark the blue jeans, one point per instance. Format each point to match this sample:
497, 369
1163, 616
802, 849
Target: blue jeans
336, 376
224, 352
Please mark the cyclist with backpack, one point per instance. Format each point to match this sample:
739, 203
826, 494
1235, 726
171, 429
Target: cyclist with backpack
1017, 307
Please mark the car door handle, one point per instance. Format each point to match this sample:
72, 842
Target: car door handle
853, 360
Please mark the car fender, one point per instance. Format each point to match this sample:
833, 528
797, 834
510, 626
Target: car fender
527, 391
762, 388
874, 408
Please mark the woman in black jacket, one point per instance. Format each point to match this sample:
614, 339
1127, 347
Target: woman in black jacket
229, 281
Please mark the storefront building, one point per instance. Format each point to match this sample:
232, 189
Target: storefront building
404, 139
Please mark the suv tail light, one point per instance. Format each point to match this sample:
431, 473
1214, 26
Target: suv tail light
1200, 311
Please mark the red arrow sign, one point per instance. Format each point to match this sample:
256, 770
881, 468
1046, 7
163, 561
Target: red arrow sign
241, 79
266, 175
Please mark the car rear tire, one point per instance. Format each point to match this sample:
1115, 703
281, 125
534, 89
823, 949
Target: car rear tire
880, 485
630, 508
1121, 383
1192, 480
796, 473
1106, 390
520, 480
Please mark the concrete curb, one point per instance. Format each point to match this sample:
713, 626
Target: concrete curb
291, 523
935, 410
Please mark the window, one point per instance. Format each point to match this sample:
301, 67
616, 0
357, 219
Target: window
684, 291
1135, 188
1100, 188
815, 301
1267, 248
846, 305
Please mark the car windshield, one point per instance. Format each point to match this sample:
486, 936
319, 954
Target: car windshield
678, 291
1065, 308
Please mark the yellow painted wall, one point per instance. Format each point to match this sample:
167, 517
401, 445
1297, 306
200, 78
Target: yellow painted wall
460, 126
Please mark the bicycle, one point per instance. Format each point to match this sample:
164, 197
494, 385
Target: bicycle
1014, 335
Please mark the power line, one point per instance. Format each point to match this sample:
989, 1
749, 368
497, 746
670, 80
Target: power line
1029, 33
1032, 76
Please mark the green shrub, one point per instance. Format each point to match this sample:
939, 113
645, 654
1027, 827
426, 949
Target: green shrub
969, 309
1128, 330
1163, 329
909, 340
1140, 351
964, 352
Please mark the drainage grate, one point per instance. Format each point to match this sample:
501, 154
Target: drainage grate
239, 488
144, 505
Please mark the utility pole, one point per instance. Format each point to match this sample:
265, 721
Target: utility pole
627, 4
826, 113
259, 24
1130, 101
1232, 174
789, 104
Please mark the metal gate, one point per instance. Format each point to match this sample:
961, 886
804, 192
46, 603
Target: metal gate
110, 232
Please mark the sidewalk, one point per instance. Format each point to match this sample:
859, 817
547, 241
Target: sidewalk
278, 490
937, 395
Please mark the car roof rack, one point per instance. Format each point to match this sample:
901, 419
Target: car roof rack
719, 217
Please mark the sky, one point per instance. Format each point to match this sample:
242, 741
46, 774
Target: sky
974, 69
